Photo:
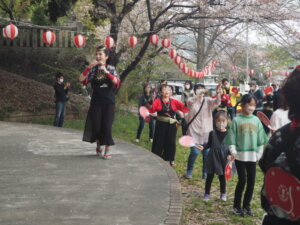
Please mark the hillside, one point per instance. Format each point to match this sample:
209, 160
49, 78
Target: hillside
22, 96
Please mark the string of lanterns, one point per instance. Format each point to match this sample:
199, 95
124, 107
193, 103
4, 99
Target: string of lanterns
79, 40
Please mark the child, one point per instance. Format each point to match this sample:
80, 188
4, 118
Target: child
246, 139
218, 155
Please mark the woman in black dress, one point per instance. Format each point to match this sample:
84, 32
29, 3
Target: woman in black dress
104, 80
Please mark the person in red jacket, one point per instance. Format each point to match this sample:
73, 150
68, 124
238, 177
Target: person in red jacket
164, 142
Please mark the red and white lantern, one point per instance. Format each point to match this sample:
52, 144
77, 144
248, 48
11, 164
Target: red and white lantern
154, 39
172, 53
132, 41
79, 40
269, 73
286, 74
166, 43
251, 72
109, 42
177, 60
49, 37
181, 65
10, 31
185, 70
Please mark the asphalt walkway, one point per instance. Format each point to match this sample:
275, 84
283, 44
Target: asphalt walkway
48, 176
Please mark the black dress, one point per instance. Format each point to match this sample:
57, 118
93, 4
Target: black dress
100, 116
164, 142
217, 156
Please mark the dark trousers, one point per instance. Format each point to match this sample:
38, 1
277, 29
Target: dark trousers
209, 179
164, 142
141, 127
246, 174
102, 119
231, 112
59, 114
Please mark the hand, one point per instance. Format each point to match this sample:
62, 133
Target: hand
103, 68
93, 64
200, 147
180, 114
68, 84
231, 157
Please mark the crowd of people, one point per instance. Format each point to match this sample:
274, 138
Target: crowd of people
224, 126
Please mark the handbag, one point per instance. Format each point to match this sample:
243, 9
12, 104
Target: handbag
185, 125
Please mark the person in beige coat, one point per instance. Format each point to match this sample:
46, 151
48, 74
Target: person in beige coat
201, 126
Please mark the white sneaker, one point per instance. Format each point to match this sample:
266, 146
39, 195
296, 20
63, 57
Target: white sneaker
137, 140
151, 140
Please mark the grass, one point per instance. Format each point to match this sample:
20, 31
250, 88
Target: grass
196, 211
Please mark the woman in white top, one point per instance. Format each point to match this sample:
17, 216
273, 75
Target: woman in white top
279, 118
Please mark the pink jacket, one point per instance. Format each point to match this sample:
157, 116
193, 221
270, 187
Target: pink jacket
201, 126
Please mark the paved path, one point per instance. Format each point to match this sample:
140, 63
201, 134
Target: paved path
48, 176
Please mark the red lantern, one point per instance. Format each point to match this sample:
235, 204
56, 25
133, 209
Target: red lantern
181, 65
166, 43
132, 41
177, 59
269, 73
154, 39
172, 53
201, 74
109, 42
185, 70
49, 37
10, 31
79, 40
286, 74
251, 72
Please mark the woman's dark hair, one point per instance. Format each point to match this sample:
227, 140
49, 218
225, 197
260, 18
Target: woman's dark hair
164, 86
58, 75
101, 48
196, 86
224, 80
190, 83
220, 113
144, 87
291, 93
282, 103
247, 98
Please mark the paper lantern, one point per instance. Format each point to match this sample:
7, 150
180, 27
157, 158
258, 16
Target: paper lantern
286, 74
185, 70
10, 31
154, 39
132, 41
166, 43
181, 65
79, 40
49, 37
269, 74
177, 59
172, 53
109, 42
